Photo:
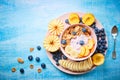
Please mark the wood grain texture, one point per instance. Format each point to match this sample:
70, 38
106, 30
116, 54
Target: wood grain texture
23, 24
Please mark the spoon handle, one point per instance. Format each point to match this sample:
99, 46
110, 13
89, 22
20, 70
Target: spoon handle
114, 51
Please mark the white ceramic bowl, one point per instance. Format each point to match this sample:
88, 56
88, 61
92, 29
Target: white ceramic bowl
93, 36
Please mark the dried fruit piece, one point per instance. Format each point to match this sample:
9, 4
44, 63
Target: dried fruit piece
51, 43
39, 70
88, 19
98, 59
31, 49
74, 18
31, 66
13, 69
55, 27
20, 60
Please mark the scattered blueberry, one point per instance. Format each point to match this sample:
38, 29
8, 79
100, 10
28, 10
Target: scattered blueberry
57, 64
66, 21
30, 57
81, 42
22, 71
73, 33
63, 41
64, 57
37, 59
84, 30
38, 48
43, 65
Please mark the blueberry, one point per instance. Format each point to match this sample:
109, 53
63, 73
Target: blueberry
30, 58
102, 34
93, 26
103, 37
56, 59
97, 34
101, 47
73, 33
63, 41
22, 71
38, 48
102, 30
43, 65
96, 30
105, 47
99, 44
54, 56
64, 57
66, 21
81, 19
57, 64
84, 30
81, 42
37, 59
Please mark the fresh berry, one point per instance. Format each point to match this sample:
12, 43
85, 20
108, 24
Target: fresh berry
57, 64
73, 33
84, 30
63, 41
38, 48
37, 59
64, 57
99, 44
103, 37
81, 19
102, 34
102, 30
93, 26
66, 21
56, 59
105, 47
96, 30
30, 58
81, 42
22, 71
43, 65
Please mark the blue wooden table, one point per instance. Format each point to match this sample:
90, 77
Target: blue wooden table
23, 24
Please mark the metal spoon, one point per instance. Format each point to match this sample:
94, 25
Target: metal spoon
114, 32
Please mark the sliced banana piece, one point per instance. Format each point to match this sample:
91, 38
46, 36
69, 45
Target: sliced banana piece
77, 66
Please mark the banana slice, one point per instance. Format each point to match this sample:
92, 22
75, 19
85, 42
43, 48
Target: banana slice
77, 66
90, 43
87, 51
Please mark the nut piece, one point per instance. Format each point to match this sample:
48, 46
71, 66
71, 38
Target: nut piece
31, 66
13, 69
20, 60
39, 70
31, 49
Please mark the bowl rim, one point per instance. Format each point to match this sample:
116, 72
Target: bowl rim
83, 58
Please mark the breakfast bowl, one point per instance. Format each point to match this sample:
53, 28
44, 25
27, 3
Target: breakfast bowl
78, 42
